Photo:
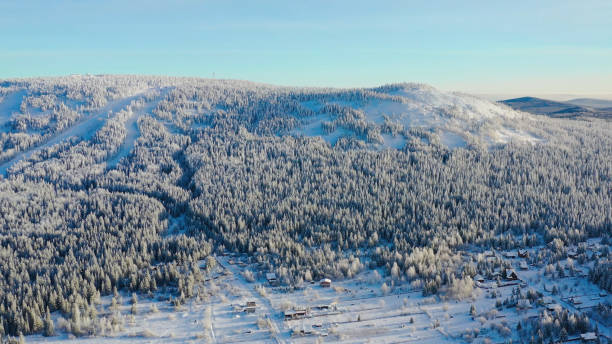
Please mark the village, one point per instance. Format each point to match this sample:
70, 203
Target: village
236, 306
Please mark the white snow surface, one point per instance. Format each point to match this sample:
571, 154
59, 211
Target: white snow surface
8, 105
457, 118
84, 129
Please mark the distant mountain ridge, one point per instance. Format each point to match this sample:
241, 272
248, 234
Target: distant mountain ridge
569, 109
592, 102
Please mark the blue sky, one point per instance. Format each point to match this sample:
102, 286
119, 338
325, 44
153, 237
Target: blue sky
487, 47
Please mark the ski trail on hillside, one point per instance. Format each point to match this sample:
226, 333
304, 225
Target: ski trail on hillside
8, 105
133, 132
85, 129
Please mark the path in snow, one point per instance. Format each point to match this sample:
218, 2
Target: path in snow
85, 129
8, 105
262, 302
133, 133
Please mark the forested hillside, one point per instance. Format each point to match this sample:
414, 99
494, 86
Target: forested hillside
127, 183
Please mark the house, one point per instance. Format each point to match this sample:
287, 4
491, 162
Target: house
511, 275
523, 253
249, 309
575, 300
251, 304
523, 265
295, 314
554, 307
478, 278
325, 283
489, 254
589, 337
547, 300
510, 254
271, 277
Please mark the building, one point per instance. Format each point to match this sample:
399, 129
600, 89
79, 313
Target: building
510, 254
295, 314
511, 275
523, 253
271, 277
575, 300
589, 337
478, 278
325, 283
572, 253
523, 265
547, 300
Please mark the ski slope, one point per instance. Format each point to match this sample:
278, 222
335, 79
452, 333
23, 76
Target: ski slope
457, 119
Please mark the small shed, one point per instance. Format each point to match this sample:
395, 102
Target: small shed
271, 277
489, 254
478, 278
250, 309
554, 307
325, 283
510, 254
251, 304
523, 253
547, 300
575, 300
589, 337
295, 314
523, 265
511, 275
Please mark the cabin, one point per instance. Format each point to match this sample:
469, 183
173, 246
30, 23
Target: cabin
523, 265
523, 253
511, 275
295, 314
572, 253
250, 309
271, 278
510, 255
478, 278
547, 300
589, 337
575, 300
325, 283
554, 307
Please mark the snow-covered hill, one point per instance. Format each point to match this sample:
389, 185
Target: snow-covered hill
456, 119
36, 114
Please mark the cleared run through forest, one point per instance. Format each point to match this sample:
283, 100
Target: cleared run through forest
84, 129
